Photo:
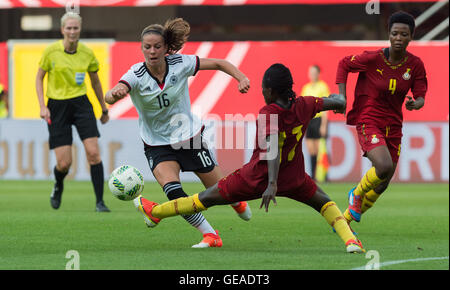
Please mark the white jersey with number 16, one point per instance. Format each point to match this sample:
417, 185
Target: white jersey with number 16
164, 109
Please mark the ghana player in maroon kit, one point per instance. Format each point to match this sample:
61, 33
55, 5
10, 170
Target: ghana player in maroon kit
385, 77
276, 167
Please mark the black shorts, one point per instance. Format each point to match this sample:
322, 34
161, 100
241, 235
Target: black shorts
191, 155
65, 113
313, 130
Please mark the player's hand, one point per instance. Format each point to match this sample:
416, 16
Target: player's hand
409, 104
119, 92
342, 98
104, 118
45, 114
414, 104
268, 195
244, 85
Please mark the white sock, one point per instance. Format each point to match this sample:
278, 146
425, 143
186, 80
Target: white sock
198, 221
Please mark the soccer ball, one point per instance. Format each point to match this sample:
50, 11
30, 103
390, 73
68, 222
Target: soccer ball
126, 182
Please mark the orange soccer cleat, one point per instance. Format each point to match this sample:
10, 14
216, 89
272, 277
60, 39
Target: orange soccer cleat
145, 207
354, 246
210, 241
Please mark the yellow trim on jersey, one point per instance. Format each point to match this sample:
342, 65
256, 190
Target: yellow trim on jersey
67, 72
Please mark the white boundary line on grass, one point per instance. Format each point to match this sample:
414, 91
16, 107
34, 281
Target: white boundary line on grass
388, 263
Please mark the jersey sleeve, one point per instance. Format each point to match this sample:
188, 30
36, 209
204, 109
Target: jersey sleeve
191, 64
353, 63
129, 79
44, 62
420, 84
94, 65
312, 106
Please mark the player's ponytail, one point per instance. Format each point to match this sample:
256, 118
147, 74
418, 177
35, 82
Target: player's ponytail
175, 33
279, 78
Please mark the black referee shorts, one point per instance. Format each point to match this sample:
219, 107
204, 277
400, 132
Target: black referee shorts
313, 130
65, 113
192, 155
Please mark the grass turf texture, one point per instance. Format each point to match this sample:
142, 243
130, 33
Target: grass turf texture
410, 221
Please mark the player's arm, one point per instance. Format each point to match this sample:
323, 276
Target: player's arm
334, 102
118, 92
44, 111
228, 68
273, 166
98, 90
418, 89
351, 64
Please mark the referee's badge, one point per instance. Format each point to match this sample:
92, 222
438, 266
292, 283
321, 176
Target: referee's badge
406, 76
79, 78
173, 79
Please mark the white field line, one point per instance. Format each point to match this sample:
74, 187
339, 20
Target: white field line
388, 263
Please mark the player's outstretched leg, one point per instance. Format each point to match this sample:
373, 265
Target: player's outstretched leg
330, 211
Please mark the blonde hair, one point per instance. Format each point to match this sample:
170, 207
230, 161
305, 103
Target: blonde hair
175, 33
71, 15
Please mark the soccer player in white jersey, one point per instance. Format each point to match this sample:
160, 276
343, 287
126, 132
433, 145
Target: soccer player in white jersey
159, 90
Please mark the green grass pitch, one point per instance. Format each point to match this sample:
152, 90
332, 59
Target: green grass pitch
408, 225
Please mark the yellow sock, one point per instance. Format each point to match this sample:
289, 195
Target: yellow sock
369, 181
369, 199
334, 217
347, 216
184, 205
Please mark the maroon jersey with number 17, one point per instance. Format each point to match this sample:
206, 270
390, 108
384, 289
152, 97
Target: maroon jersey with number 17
290, 125
381, 87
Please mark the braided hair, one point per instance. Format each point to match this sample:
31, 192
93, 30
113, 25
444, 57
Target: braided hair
279, 78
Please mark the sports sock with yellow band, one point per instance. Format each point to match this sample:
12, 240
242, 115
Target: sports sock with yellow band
369, 181
334, 217
179, 206
369, 199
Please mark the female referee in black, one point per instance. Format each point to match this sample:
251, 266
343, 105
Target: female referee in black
66, 62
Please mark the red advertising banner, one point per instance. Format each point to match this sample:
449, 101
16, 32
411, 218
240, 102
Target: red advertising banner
215, 93
4, 64
93, 3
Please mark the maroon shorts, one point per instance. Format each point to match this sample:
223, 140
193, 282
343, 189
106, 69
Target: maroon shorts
234, 188
371, 136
